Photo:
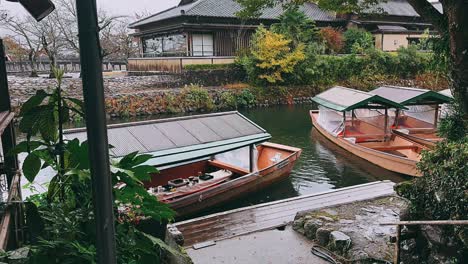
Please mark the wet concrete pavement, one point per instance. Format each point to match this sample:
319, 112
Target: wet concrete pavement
269, 247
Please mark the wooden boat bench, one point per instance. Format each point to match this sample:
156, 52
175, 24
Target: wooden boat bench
229, 167
388, 148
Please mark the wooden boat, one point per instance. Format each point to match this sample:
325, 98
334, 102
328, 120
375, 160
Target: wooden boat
365, 139
203, 160
423, 132
224, 182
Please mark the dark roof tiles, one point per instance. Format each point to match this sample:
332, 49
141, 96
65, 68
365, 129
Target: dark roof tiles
228, 9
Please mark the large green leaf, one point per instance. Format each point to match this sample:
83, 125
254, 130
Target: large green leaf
28, 122
78, 157
47, 125
32, 102
24, 146
143, 172
31, 167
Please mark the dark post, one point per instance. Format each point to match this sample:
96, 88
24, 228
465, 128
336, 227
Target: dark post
344, 123
436, 115
386, 122
8, 136
251, 156
93, 93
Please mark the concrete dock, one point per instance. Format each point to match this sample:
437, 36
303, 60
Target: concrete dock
244, 235
255, 218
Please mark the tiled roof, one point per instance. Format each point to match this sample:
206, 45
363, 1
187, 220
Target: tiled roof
228, 9
399, 8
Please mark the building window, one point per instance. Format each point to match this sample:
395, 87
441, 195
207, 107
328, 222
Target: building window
165, 46
202, 45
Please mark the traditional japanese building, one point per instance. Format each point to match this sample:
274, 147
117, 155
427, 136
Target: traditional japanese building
208, 31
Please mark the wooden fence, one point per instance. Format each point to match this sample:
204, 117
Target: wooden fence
173, 64
67, 65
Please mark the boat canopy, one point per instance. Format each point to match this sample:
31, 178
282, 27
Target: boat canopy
446, 92
421, 104
411, 96
179, 140
344, 99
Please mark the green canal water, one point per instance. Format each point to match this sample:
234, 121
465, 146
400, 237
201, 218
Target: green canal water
322, 166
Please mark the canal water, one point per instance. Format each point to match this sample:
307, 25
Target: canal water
322, 166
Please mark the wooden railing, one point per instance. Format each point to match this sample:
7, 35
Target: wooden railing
12, 216
398, 225
67, 65
172, 64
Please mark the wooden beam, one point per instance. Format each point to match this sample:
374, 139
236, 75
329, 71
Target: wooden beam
251, 157
384, 148
8, 217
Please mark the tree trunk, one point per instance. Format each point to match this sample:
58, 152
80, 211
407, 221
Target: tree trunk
458, 29
53, 63
32, 60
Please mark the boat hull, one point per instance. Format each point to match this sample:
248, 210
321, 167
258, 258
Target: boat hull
237, 188
387, 161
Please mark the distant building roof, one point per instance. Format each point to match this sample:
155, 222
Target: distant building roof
345, 99
387, 28
398, 8
411, 96
228, 9
175, 140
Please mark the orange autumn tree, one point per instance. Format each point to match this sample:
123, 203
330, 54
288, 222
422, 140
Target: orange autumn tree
274, 55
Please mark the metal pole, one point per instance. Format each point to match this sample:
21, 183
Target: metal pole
8, 137
93, 93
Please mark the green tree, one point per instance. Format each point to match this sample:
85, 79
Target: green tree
296, 26
357, 40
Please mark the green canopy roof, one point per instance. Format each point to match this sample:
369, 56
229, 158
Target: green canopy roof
182, 139
411, 96
345, 99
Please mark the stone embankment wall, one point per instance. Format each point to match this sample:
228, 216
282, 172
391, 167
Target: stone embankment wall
160, 94
150, 95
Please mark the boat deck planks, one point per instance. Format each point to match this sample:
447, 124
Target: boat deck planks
270, 215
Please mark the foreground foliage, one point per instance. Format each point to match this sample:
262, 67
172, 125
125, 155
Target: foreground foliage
61, 221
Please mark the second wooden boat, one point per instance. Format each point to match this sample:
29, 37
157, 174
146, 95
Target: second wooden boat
363, 136
418, 122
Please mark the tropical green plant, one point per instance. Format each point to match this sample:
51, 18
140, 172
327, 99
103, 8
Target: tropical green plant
71, 239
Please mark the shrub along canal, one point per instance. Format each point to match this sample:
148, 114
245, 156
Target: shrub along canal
322, 166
